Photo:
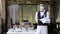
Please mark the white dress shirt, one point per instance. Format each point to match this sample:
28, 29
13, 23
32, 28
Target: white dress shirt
43, 20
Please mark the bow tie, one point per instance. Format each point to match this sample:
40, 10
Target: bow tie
42, 11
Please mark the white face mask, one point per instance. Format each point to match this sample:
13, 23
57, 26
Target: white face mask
41, 8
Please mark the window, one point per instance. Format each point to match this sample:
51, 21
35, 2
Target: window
27, 12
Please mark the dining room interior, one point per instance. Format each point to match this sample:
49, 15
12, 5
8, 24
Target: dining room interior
20, 14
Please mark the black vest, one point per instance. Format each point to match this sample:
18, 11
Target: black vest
39, 17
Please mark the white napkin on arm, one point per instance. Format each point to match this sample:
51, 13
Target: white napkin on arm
45, 20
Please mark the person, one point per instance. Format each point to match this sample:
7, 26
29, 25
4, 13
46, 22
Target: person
42, 18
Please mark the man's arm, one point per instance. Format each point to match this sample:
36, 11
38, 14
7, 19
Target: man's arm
36, 16
45, 19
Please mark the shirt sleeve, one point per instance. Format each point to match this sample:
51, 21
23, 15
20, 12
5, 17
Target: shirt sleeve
36, 17
48, 15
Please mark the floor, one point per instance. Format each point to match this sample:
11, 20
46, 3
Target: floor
55, 33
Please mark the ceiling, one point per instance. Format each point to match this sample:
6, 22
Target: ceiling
27, 1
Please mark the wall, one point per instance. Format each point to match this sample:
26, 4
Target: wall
58, 18
2, 12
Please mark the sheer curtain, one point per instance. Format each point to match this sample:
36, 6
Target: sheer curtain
13, 12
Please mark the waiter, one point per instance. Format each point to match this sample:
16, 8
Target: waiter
42, 17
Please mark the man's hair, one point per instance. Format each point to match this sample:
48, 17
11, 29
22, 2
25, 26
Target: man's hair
45, 6
42, 3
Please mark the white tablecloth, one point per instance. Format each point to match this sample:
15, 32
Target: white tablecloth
21, 32
12, 31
